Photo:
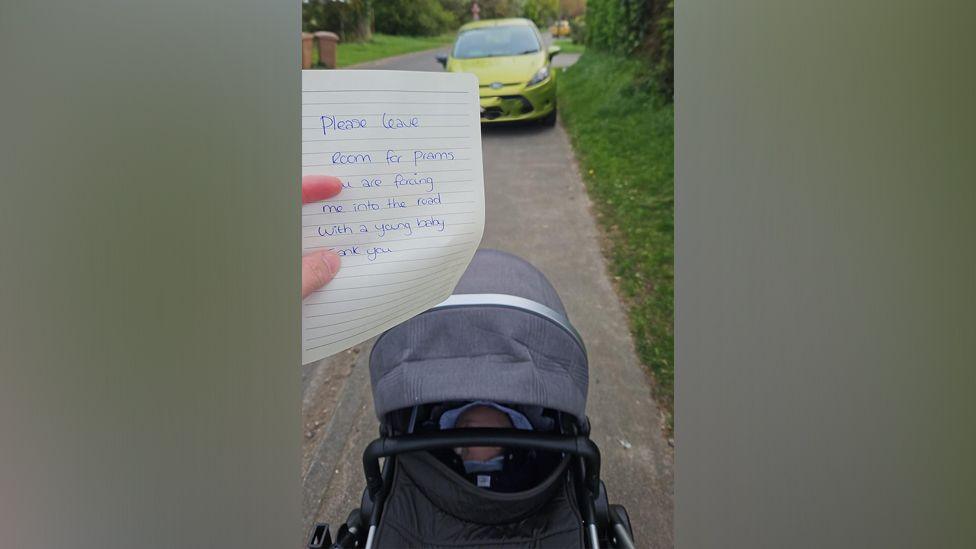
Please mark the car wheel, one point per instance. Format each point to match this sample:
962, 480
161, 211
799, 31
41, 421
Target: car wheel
549, 120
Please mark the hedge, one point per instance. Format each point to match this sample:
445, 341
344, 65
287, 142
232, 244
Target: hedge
635, 27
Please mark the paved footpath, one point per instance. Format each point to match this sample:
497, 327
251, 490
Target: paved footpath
537, 208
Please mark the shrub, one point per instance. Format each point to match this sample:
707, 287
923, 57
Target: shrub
643, 27
497, 9
577, 29
461, 9
541, 12
413, 17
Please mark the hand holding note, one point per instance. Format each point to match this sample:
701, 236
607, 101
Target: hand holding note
406, 149
318, 267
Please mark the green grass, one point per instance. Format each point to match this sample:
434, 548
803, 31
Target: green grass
383, 45
567, 45
623, 134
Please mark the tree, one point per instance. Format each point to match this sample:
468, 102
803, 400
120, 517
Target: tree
413, 17
571, 8
461, 9
542, 12
363, 18
496, 9
352, 20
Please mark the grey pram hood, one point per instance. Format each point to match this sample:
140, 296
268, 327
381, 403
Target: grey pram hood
503, 336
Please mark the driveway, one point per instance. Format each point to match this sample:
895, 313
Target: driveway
537, 208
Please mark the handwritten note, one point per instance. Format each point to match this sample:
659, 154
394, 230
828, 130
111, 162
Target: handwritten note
407, 147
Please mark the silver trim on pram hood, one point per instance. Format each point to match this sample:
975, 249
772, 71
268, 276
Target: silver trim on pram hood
511, 302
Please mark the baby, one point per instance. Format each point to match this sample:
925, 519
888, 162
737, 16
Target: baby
481, 417
483, 414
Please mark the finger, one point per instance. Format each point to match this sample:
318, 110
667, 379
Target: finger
318, 269
319, 187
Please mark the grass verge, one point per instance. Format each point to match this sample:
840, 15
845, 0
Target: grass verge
567, 45
623, 134
383, 45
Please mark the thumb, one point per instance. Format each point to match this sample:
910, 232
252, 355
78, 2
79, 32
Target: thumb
319, 187
318, 268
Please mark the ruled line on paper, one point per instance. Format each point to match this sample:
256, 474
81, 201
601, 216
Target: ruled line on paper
381, 103
352, 158
393, 311
394, 321
368, 220
390, 272
401, 252
374, 263
464, 114
437, 278
428, 293
405, 281
398, 195
387, 304
337, 211
333, 163
342, 139
408, 302
425, 127
372, 250
412, 172
348, 188
366, 195
375, 150
453, 264
385, 91
333, 312
392, 240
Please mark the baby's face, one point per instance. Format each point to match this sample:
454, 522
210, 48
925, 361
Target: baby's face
482, 417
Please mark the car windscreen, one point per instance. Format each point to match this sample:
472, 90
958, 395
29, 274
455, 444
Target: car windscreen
496, 42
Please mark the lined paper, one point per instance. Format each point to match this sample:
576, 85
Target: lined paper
407, 147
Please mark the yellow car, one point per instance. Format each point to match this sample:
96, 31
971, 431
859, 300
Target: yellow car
560, 29
512, 65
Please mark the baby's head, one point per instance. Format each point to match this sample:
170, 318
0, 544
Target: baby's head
482, 417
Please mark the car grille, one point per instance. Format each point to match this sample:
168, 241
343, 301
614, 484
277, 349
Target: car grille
511, 105
491, 113
504, 84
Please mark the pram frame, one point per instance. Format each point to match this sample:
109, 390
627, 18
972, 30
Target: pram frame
359, 533
580, 446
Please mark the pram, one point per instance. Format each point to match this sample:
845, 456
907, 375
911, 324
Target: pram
502, 337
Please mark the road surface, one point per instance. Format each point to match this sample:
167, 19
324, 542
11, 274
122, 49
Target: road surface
537, 208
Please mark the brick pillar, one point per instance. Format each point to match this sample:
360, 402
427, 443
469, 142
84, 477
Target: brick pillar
327, 42
307, 50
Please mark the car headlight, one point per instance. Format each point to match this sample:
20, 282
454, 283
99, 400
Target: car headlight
540, 76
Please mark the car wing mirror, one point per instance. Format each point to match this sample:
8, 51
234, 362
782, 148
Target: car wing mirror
442, 59
553, 51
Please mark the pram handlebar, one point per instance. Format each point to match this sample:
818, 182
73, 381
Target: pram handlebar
509, 438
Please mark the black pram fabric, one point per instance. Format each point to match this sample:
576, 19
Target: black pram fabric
522, 469
430, 506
